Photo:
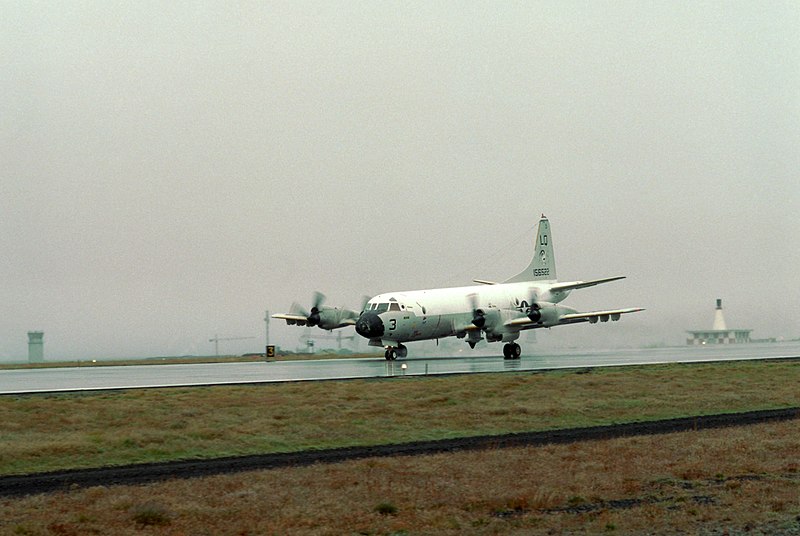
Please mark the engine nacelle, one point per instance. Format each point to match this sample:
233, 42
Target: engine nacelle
549, 314
488, 319
326, 318
332, 317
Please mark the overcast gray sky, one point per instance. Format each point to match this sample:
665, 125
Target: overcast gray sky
171, 170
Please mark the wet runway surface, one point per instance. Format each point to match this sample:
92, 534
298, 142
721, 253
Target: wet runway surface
143, 376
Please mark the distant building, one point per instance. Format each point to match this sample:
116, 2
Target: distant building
719, 332
35, 347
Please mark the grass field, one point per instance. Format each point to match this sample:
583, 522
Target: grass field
731, 481
47, 432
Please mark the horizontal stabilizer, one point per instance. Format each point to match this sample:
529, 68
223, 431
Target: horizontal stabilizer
484, 282
572, 285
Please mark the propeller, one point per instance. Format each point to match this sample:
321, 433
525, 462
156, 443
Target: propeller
353, 315
534, 310
478, 316
312, 318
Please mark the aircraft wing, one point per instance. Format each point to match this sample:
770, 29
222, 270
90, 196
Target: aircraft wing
592, 317
572, 285
291, 319
300, 320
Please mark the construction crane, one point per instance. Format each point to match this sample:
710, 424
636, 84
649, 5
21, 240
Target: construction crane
338, 337
217, 338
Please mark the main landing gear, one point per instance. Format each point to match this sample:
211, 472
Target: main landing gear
512, 350
393, 353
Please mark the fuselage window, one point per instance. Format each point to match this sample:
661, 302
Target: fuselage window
382, 308
394, 306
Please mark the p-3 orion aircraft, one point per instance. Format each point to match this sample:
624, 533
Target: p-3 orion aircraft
497, 312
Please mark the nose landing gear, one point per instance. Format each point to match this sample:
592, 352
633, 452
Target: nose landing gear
393, 353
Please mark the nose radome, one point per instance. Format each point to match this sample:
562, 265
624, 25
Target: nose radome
369, 325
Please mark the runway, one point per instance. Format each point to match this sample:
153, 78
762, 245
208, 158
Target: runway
53, 380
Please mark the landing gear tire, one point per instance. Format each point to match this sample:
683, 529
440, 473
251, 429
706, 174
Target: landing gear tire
390, 354
512, 350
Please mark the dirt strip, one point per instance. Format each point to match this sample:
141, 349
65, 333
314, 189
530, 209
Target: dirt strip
18, 485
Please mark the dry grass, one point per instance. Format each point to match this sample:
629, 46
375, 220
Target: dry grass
50, 432
740, 480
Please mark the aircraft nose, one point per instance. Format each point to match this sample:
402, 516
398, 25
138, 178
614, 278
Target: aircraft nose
369, 325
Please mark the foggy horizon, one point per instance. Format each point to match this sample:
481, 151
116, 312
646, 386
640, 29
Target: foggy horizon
170, 172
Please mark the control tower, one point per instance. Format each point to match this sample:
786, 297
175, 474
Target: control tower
719, 318
719, 332
36, 347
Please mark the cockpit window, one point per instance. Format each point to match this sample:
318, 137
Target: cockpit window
394, 306
382, 308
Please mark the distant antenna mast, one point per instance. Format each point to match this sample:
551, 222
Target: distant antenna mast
266, 321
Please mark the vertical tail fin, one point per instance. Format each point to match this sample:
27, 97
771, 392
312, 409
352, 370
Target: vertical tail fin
543, 264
